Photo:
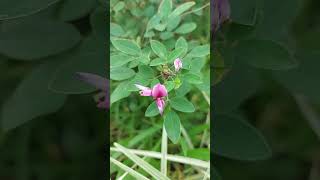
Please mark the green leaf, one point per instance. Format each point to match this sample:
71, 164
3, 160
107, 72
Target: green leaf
247, 12
10, 10
172, 126
153, 22
121, 73
165, 8
166, 35
182, 8
175, 54
186, 28
200, 153
119, 60
25, 40
266, 55
71, 10
144, 59
116, 30
159, 49
173, 22
64, 79
152, 110
126, 46
200, 51
32, 98
231, 138
192, 78
157, 62
98, 22
182, 104
119, 6
182, 43
120, 92
169, 85
146, 71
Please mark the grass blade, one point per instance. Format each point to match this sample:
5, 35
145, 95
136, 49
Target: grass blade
164, 151
173, 158
128, 169
141, 163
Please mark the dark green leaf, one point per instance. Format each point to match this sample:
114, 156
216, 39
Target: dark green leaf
121, 73
32, 98
26, 40
152, 110
231, 136
182, 104
172, 126
126, 46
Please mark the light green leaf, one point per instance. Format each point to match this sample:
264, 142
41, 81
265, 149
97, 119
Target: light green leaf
175, 54
158, 61
193, 78
182, 8
172, 126
119, 60
159, 49
173, 22
120, 92
119, 6
126, 46
116, 30
200, 51
186, 28
121, 73
165, 8
182, 43
182, 104
200, 153
169, 85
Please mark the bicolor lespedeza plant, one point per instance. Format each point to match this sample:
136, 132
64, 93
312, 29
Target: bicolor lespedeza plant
159, 75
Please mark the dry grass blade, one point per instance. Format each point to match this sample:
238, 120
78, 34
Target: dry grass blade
141, 163
128, 169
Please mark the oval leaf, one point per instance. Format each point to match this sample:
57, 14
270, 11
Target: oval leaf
182, 104
231, 136
126, 46
159, 49
172, 126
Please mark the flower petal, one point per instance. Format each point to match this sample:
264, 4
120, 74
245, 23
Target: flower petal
159, 91
160, 104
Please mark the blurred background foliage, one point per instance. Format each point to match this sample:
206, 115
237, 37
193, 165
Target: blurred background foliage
42, 45
265, 69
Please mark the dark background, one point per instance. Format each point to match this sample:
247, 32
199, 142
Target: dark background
50, 126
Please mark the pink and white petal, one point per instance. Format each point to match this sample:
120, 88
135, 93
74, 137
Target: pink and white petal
160, 104
141, 87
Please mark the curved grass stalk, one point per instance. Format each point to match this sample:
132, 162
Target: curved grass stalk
173, 158
128, 169
187, 137
164, 151
141, 163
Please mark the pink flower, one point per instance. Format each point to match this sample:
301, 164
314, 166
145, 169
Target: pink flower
177, 64
158, 92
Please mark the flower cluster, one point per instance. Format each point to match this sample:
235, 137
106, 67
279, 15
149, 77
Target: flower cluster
159, 91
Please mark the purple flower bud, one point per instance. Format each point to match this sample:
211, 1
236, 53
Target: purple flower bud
177, 64
220, 12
